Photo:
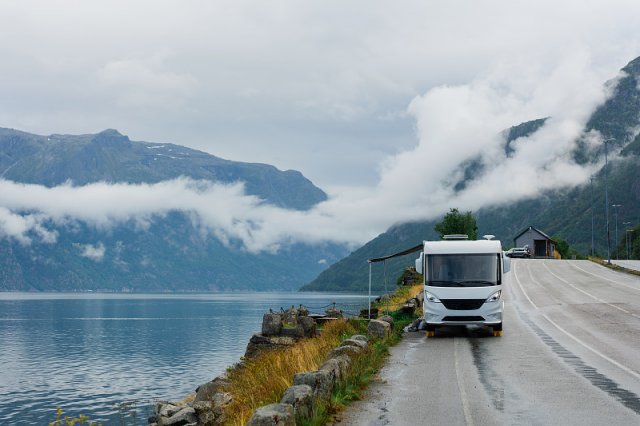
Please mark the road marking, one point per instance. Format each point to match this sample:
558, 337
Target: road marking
603, 356
600, 354
589, 294
604, 278
468, 419
515, 274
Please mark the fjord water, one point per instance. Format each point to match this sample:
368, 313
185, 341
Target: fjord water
110, 356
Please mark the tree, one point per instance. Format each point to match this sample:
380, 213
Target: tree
562, 246
455, 222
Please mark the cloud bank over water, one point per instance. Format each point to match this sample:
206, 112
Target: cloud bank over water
454, 124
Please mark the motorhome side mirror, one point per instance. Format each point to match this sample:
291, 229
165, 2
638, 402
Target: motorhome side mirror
419, 264
506, 264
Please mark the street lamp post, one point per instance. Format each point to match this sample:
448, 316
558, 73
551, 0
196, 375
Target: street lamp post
615, 212
626, 236
606, 198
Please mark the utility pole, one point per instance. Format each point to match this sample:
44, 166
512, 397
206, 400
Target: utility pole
615, 209
606, 199
626, 236
593, 246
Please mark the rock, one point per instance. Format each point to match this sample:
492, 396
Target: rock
308, 325
271, 324
387, 318
364, 313
321, 382
205, 413
206, 391
409, 307
186, 415
290, 316
295, 331
349, 351
301, 397
333, 313
273, 415
259, 343
302, 311
166, 409
379, 329
420, 298
360, 337
354, 342
338, 366
220, 401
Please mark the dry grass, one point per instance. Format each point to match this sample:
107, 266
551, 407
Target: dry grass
264, 379
397, 299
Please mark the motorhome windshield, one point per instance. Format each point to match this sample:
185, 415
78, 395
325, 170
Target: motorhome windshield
463, 270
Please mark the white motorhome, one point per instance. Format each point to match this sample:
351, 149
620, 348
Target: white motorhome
463, 282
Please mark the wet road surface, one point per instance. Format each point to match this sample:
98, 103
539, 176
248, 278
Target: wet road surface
569, 355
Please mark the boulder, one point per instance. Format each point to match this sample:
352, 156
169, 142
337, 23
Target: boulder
387, 318
273, 415
333, 313
271, 324
186, 416
206, 391
349, 351
354, 342
166, 409
301, 398
364, 313
379, 329
302, 311
321, 382
292, 331
338, 366
205, 413
308, 325
259, 343
360, 337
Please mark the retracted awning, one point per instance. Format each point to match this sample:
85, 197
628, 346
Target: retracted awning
401, 253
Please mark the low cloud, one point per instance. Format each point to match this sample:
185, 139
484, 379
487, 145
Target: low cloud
454, 124
93, 252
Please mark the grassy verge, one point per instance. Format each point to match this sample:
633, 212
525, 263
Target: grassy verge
264, 379
614, 266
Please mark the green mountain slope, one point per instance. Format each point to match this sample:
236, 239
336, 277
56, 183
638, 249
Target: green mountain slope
111, 157
172, 254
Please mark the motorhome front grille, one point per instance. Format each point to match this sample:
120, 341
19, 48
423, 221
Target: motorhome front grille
462, 304
462, 319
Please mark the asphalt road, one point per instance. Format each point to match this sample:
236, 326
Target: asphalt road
569, 355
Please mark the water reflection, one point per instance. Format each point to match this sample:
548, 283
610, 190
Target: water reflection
87, 353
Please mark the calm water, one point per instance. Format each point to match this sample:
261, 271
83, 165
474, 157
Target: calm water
99, 354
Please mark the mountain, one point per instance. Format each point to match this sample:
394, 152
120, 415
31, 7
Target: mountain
563, 213
172, 254
111, 157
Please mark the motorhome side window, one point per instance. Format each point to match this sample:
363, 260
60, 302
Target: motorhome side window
463, 270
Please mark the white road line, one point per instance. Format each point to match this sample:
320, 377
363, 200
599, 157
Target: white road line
515, 274
468, 419
600, 354
604, 278
589, 294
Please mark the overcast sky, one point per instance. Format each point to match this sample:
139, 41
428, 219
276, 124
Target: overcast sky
375, 102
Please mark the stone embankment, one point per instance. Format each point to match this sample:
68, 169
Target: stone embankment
279, 329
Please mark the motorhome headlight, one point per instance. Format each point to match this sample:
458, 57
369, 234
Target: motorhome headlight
494, 297
431, 298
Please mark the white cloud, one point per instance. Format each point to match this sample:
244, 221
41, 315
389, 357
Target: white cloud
289, 83
93, 252
380, 105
